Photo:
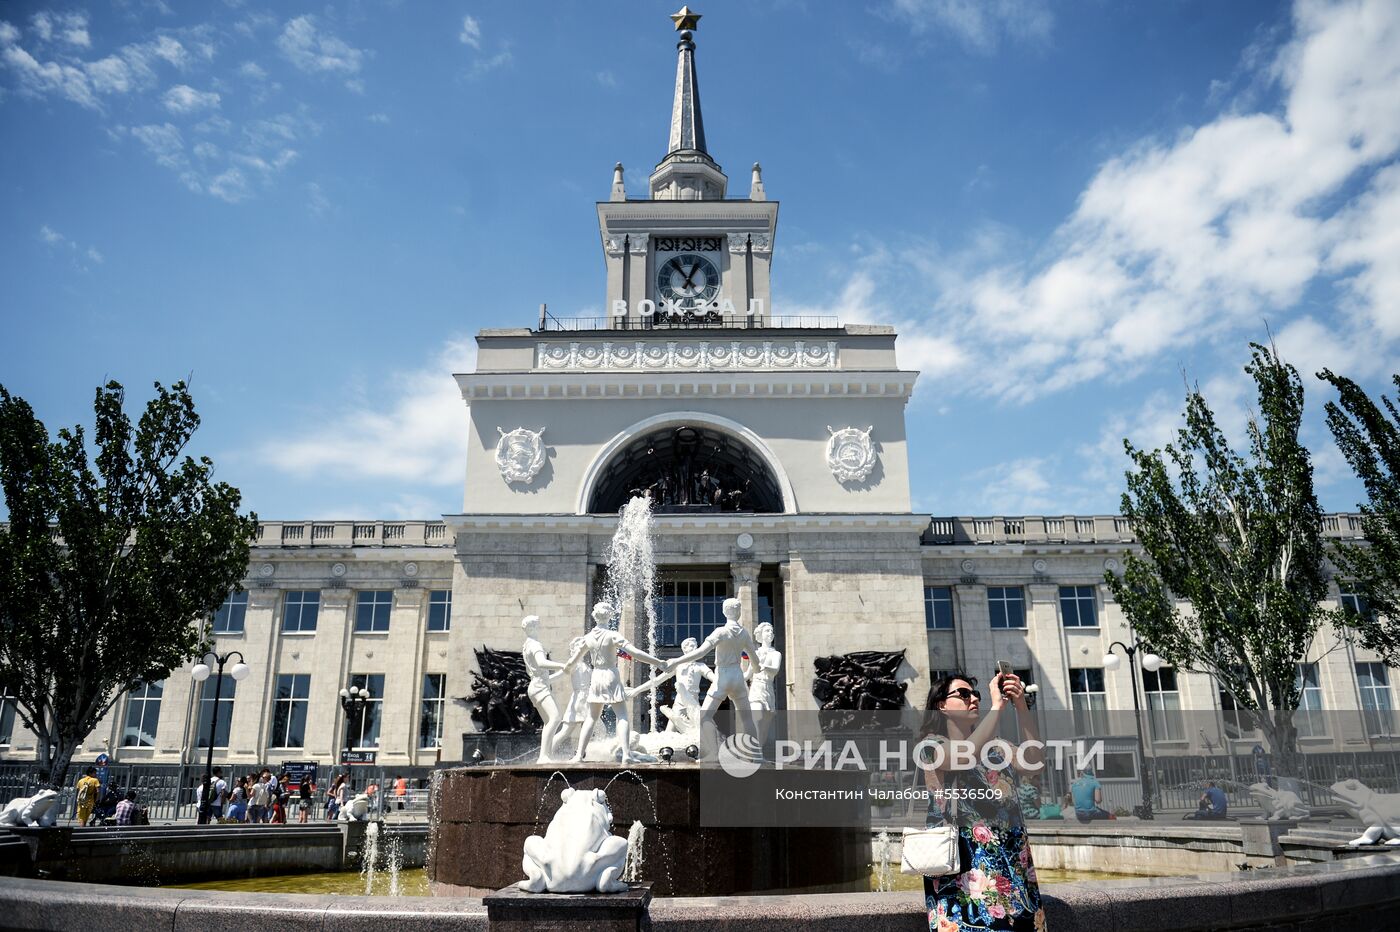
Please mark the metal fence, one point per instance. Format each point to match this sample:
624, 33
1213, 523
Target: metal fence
1178, 781
170, 793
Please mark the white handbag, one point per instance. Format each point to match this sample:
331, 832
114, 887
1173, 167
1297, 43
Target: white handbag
930, 852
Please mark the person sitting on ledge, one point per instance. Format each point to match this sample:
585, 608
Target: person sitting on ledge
126, 809
1212, 804
1088, 797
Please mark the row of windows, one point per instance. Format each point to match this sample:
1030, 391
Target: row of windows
1089, 702
302, 608
1078, 606
290, 707
1007, 607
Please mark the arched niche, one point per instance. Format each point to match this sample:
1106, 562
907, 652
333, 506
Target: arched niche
692, 464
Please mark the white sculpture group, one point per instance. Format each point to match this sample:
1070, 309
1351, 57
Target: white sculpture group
597, 683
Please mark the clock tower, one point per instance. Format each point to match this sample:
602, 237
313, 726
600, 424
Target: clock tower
687, 252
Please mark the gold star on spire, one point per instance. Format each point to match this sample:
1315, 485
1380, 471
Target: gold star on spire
685, 19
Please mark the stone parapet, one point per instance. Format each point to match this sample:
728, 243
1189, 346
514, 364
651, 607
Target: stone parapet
1359, 895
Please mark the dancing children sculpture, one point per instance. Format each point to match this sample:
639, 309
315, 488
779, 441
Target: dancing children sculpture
601, 645
683, 714
729, 642
763, 668
538, 666
579, 680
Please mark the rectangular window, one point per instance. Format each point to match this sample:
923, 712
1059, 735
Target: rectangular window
223, 719
440, 610
1309, 719
1077, 607
938, 608
365, 732
300, 610
1238, 720
1163, 704
143, 716
7, 715
231, 615
1088, 700
430, 715
289, 710
1376, 707
372, 610
690, 608
1007, 605
1354, 604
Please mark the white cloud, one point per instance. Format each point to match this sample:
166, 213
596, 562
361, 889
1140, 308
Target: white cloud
183, 99
607, 78
313, 51
164, 142
110, 75
484, 65
471, 32
1196, 239
1016, 487
69, 28
980, 25
252, 71
316, 200
41, 78
416, 433
84, 257
382, 118
230, 185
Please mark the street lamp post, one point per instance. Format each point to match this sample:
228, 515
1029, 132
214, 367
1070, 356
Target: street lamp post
199, 673
352, 700
1150, 662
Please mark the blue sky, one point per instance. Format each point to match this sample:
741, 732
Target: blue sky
1066, 208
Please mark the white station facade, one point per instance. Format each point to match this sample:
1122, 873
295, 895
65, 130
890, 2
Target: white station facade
775, 449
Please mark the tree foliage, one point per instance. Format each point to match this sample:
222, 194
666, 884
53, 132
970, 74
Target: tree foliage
1239, 539
1369, 438
108, 563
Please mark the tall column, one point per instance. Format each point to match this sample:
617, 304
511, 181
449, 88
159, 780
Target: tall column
744, 575
790, 637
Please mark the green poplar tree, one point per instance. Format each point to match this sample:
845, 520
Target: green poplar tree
1369, 438
108, 565
1233, 567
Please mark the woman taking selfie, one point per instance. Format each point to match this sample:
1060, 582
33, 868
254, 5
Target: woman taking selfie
995, 885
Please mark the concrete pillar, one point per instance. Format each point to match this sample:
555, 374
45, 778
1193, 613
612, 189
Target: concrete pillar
972, 624
744, 575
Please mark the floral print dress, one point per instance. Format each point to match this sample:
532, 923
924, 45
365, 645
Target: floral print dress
997, 888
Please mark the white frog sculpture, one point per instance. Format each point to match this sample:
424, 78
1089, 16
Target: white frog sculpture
1279, 804
578, 853
40, 810
356, 810
1380, 812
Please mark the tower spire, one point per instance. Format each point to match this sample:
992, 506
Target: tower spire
687, 125
687, 172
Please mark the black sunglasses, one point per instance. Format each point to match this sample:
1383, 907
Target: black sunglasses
965, 694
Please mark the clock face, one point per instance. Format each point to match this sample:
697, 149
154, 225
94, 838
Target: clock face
688, 281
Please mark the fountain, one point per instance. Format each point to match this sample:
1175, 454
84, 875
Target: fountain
503, 807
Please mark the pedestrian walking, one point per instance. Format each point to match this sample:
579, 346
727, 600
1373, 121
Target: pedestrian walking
304, 798
87, 788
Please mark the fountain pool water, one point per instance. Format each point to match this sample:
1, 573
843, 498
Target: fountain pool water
414, 882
